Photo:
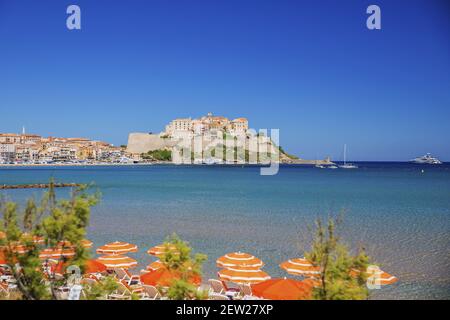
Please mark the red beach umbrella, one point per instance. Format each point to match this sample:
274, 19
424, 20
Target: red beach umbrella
283, 289
163, 277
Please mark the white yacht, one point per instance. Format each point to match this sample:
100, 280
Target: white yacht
347, 165
426, 159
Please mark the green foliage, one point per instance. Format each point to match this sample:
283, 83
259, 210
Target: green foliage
158, 155
180, 261
54, 221
287, 154
101, 289
337, 282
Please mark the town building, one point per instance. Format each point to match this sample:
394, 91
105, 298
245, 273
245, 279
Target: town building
32, 148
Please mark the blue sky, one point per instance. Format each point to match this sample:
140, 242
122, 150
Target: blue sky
310, 68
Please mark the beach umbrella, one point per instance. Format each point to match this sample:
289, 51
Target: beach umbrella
94, 266
376, 276
313, 282
161, 250
283, 289
300, 267
90, 266
117, 247
19, 249
26, 236
155, 265
85, 243
382, 278
242, 274
112, 261
2, 258
235, 259
164, 277
35, 239
56, 253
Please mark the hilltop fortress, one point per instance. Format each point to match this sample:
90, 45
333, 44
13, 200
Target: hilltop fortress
186, 128
210, 137
202, 135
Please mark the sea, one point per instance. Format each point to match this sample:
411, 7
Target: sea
399, 212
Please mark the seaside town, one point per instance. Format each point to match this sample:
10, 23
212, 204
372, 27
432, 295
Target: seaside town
207, 132
25, 148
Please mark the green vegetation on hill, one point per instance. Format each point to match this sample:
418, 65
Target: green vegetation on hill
287, 154
158, 155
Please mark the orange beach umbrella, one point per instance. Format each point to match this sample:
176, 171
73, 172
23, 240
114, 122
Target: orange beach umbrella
18, 249
25, 237
283, 289
300, 267
85, 243
56, 253
243, 275
94, 266
379, 277
91, 266
112, 261
235, 259
161, 249
155, 265
2, 258
117, 247
163, 277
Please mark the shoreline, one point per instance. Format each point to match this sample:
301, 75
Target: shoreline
162, 163
307, 163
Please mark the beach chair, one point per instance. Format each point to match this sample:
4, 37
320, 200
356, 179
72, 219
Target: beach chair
217, 287
217, 296
89, 281
246, 292
252, 298
121, 293
4, 290
151, 293
124, 275
62, 293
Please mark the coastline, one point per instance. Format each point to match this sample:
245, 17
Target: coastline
310, 162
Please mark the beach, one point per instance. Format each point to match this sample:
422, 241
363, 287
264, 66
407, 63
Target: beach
398, 213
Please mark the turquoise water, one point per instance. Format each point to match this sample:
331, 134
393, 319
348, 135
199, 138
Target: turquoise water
398, 213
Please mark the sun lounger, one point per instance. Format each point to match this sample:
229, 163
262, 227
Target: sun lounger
246, 289
124, 275
251, 298
217, 287
4, 290
217, 296
151, 293
121, 293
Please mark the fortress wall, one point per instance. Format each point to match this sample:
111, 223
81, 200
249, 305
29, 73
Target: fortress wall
144, 142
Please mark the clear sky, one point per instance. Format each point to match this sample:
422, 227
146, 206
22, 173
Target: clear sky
310, 68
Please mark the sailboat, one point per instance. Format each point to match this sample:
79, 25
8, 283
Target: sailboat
347, 165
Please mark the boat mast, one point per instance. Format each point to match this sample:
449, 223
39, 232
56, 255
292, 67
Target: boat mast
345, 153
